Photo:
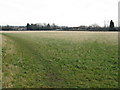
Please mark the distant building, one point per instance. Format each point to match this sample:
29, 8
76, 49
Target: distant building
119, 13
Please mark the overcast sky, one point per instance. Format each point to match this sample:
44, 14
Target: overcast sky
61, 12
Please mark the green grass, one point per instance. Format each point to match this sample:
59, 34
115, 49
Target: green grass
60, 60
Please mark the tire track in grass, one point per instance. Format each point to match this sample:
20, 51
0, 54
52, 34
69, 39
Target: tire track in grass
27, 50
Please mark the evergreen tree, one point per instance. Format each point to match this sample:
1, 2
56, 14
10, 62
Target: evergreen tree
111, 24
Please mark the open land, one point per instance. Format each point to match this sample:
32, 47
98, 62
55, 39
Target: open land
59, 59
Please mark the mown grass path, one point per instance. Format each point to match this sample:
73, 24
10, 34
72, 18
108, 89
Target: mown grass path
60, 59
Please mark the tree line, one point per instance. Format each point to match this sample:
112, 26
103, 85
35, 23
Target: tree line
41, 26
44, 26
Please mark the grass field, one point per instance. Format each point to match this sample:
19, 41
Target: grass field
60, 59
